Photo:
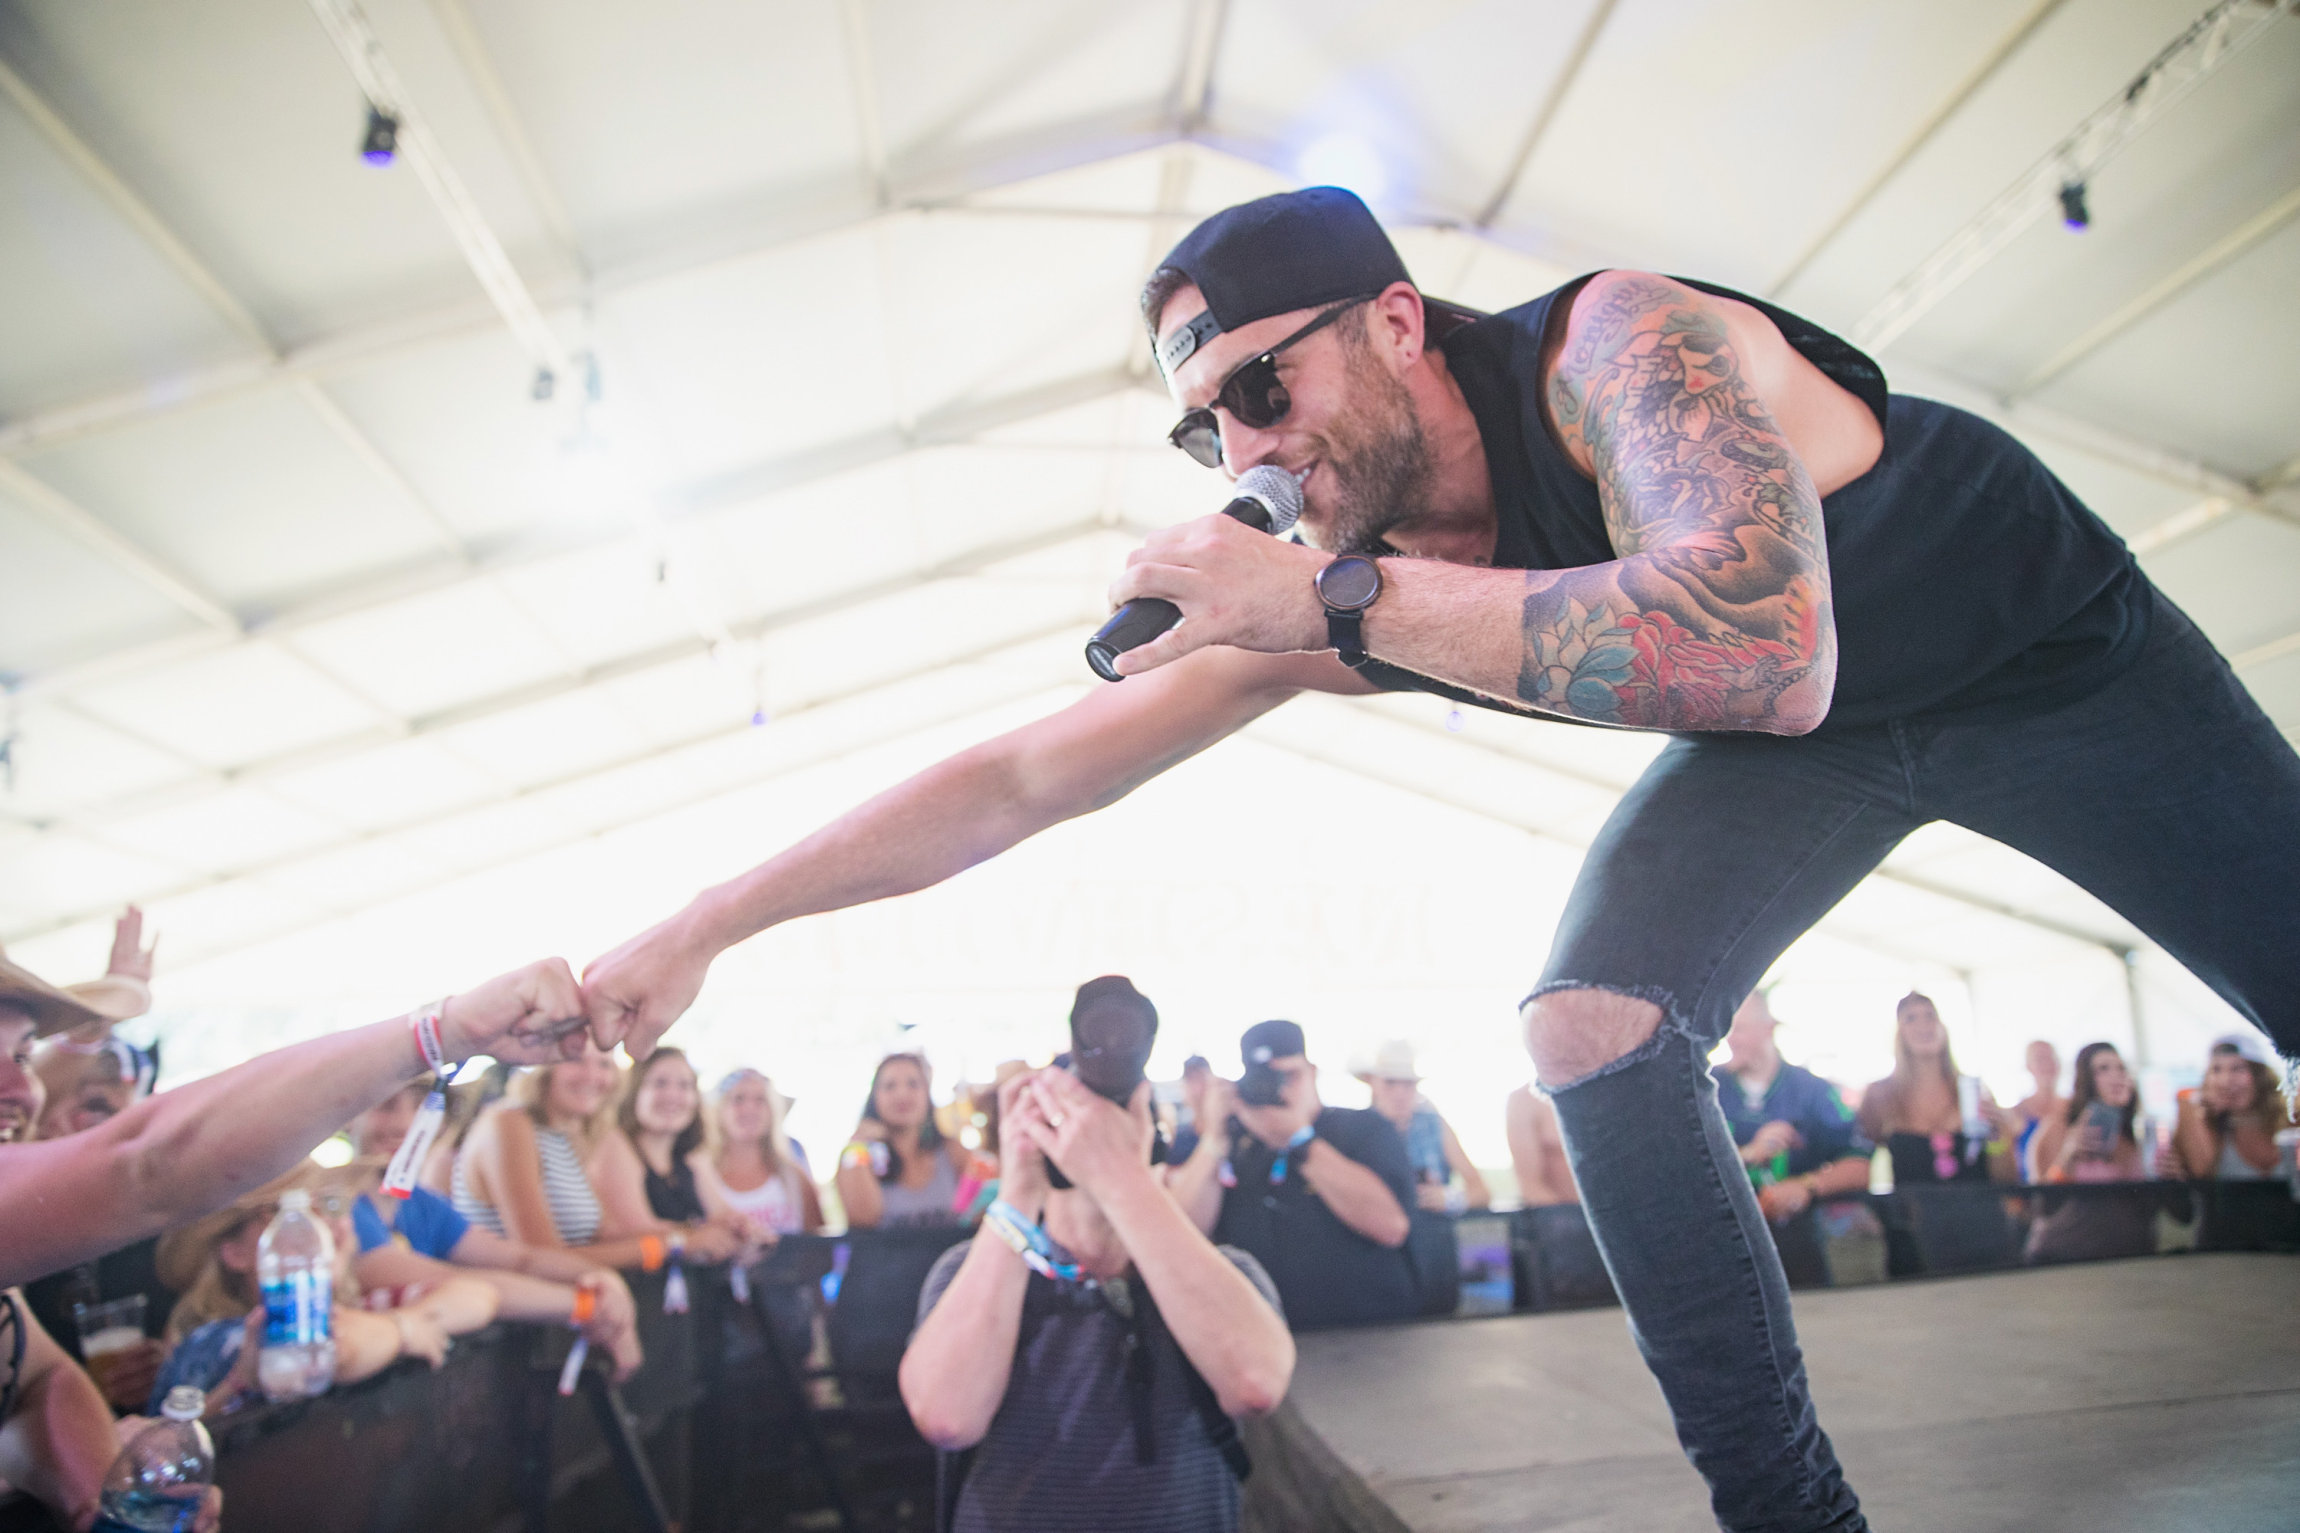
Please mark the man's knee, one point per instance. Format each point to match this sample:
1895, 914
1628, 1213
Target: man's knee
1573, 1034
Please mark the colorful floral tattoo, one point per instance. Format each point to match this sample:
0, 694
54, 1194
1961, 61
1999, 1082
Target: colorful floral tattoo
1716, 615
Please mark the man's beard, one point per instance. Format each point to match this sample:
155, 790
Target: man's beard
1380, 459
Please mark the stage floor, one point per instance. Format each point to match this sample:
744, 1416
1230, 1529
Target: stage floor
2160, 1395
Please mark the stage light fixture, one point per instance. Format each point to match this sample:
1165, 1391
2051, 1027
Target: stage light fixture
381, 142
2074, 213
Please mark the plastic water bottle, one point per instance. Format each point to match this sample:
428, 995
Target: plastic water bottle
295, 1263
156, 1483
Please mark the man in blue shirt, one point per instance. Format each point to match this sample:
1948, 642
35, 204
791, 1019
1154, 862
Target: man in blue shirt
1795, 1135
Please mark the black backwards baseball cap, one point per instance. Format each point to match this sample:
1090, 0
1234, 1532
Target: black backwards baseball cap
1295, 250
1112, 1028
1265, 1041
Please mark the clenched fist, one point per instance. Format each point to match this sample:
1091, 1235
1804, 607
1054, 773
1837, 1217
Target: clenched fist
633, 994
530, 1016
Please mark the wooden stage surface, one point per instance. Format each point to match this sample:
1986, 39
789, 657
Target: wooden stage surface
2159, 1395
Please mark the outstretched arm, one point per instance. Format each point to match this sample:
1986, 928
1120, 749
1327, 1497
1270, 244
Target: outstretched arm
943, 821
1714, 616
175, 1156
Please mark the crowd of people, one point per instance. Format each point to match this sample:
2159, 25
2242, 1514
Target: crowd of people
1196, 1228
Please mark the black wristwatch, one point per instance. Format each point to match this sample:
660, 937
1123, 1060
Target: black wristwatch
1348, 586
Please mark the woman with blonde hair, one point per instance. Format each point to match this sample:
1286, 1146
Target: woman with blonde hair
764, 1176
1936, 1124
2227, 1126
531, 1167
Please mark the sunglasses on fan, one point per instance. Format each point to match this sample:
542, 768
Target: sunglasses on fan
1252, 392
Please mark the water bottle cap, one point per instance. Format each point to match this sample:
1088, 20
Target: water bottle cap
184, 1403
297, 1198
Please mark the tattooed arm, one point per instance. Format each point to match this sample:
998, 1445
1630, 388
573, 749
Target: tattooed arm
1716, 614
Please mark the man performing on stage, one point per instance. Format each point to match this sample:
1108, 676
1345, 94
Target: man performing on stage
1650, 503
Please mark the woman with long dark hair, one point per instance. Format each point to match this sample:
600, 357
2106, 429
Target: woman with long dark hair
2228, 1125
2094, 1140
898, 1168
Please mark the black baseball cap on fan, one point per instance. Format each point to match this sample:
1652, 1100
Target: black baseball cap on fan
1266, 1041
1295, 250
1112, 1028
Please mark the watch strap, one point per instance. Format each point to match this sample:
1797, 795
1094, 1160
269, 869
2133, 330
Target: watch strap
1346, 633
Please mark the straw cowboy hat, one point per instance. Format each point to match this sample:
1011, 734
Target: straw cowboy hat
56, 1009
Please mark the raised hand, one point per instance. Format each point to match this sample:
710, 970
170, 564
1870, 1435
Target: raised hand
530, 1016
633, 994
1021, 1163
129, 955
1215, 1111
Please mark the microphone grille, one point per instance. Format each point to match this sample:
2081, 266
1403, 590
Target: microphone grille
1276, 489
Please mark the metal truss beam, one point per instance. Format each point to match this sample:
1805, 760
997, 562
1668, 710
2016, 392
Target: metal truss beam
210, 782
2174, 283
347, 27
164, 241
1552, 102
2183, 64
954, 426
93, 533
487, 82
931, 189
2039, 12
262, 867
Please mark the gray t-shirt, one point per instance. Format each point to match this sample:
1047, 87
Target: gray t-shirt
1060, 1453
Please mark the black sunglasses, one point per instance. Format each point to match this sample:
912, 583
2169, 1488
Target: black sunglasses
1251, 392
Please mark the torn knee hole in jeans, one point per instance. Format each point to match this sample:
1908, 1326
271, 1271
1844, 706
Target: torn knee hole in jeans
1672, 1026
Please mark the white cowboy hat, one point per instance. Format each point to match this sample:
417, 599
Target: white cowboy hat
1393, 1061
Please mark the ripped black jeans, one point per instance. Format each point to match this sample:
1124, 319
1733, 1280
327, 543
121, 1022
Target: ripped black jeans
2168, 794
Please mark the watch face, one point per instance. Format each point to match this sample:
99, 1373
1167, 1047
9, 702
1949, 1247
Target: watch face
1350, 582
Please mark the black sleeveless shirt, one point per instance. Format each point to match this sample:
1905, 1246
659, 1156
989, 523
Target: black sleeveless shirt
674, 1197
1969, 584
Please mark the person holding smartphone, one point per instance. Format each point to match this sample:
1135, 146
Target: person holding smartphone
2093, 1140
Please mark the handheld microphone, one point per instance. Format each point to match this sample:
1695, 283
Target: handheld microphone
1269, 500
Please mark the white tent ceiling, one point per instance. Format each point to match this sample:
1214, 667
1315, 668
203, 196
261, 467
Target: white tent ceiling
308, 612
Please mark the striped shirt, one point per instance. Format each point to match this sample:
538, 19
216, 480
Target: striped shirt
567, 1192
